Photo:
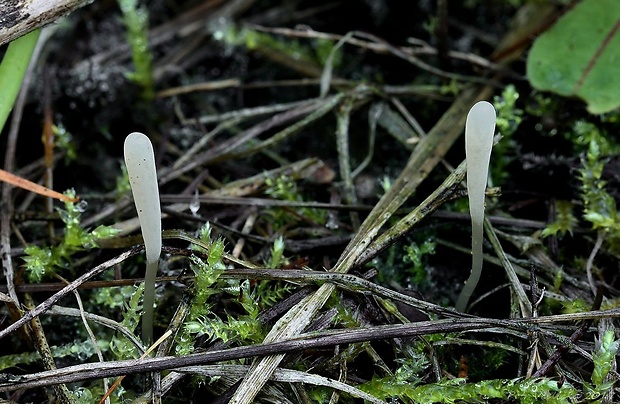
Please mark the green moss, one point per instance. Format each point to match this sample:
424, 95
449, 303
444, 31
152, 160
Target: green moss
509, 118
285, 188
136, 20
415, 255
41, 261
564, 221
119, 344
599, 206
527, 391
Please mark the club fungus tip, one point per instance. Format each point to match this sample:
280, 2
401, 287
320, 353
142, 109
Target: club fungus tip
479, 131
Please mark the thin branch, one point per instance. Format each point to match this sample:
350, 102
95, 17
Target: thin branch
20, 17
47, 304
89, 371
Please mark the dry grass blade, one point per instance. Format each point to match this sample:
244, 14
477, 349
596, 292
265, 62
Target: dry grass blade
524, 303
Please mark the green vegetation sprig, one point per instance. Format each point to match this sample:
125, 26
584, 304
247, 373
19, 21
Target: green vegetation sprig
41, 261
136, 20
140, 161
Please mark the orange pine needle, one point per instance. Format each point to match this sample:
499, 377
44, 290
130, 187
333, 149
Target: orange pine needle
33, 187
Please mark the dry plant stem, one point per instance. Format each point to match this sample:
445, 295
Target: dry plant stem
303, 67
245, 113
322, 109
21, 17
344, 162
55, 298
441, 195
575, 336
203, 142
302, 342
207, 86
488, 344
91, 335
104, 321
40, 342
164, 348
425, 157
48, 147
536, 254
597, 246
379, 48
524, 303
372, 135
441, 34
229, 146
414, 60
302, 169
250, 220
282, 375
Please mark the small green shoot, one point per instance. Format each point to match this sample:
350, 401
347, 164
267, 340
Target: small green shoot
206, 276
509, 118
277, 253
285, 188
599, 205
136, 20
415, 255
64, 141
565, 221
413, 364
120, 345
603, 360
41, 261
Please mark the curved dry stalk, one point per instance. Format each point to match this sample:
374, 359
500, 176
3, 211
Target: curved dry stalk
302, 342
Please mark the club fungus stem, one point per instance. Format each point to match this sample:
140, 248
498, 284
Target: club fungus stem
479, 130
140, 162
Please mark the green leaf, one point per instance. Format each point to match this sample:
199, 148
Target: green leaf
578, 55
12, 71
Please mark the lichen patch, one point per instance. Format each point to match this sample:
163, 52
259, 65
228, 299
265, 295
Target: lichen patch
13, 13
